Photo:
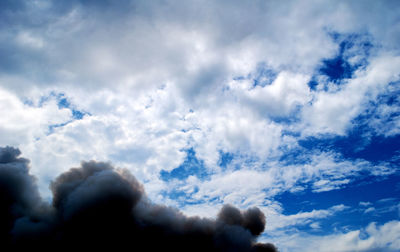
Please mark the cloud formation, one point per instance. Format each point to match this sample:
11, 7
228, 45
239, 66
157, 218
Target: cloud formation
98, 206
373, 237
271, 99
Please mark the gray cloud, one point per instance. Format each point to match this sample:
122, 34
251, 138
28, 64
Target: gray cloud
98, 206
144, 44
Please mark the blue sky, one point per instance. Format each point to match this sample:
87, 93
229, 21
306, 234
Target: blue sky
292, 107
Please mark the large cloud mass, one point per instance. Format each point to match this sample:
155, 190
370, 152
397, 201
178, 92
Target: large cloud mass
97, 206
266, 104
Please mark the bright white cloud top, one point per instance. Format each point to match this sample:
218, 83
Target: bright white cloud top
290, 106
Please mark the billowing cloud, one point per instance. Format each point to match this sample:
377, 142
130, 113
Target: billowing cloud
99, 206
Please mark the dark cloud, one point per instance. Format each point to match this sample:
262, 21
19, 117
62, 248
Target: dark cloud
252, 219
97, 206
19, 196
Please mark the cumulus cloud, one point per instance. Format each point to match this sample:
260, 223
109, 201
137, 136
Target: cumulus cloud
325, 115
99, 206
167, 76
249, 80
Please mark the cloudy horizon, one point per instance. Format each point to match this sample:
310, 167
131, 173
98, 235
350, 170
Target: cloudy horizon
289, 106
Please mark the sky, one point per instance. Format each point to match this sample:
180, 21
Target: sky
289, 106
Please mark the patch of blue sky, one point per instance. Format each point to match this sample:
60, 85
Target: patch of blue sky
383, 114
353, 52
225, 158
28, 102
369, 200
184, 197
240, 78
362, 188
368, 189
238, 161
295, 156
354, 146
336, 68
262, 76
286, 132
180, 196
191, 166
62, 103
356, 45
54, 126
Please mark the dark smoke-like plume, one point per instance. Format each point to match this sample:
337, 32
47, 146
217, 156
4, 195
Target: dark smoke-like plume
98, 207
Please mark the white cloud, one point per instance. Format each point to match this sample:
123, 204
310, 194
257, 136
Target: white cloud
255, 186
374, 237
22, 123
278, 99
386, 237
160, 77
332, 112
147, 44
279, 221
369, 210
315, 225
365, 204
